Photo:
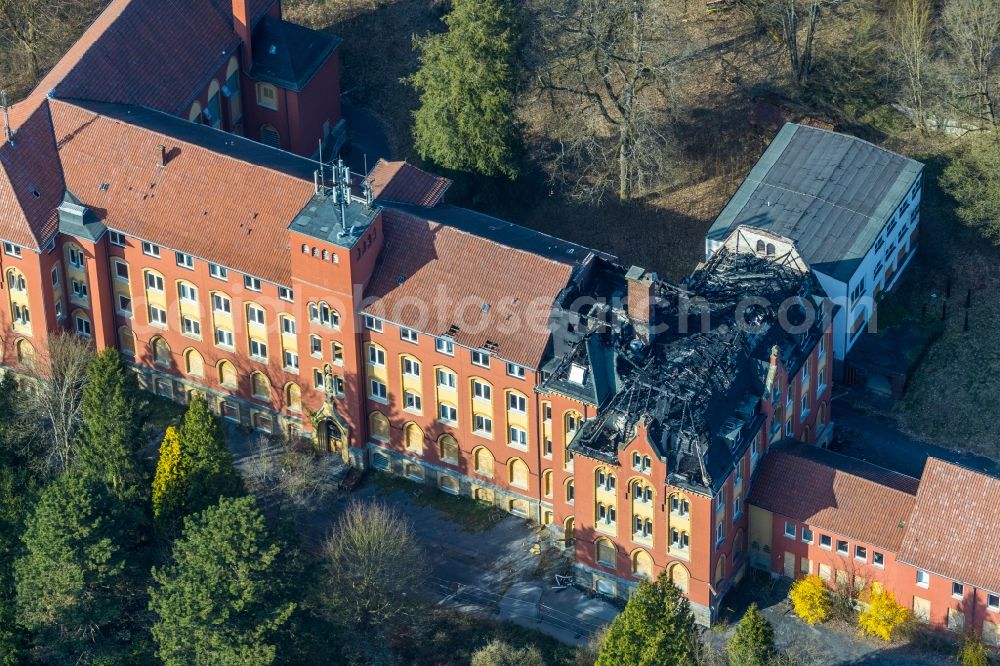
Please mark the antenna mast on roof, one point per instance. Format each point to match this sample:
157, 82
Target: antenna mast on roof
343, 184
7, 132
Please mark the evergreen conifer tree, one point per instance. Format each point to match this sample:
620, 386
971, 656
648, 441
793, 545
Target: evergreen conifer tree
204, 459
753, 642
170, 481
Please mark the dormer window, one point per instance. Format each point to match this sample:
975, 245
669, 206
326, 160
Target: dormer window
267, 96
577, 373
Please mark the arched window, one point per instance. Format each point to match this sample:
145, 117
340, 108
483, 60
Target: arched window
25, 353
569, 528
605, 479
606, 552
571, 423
413, 438
16, 281
760, 247
720, 571
378, 426
770, 249
269, 135
448, 449
738, 548
293, 397
212, 114
260, 386
821, 415
194, 364
233, 90
570, 491
482, 461
547, 483
680, 576
126, 341
227, 374
161, 351
642, 564
517, 473
194, 115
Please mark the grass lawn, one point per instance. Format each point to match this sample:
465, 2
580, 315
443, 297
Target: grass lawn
472, 515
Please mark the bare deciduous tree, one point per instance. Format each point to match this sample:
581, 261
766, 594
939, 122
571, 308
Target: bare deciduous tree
54, 406
607, 67
910, 32
973, 27
796, 21
375, 566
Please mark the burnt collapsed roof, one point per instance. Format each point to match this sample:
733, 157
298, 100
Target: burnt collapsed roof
698, 383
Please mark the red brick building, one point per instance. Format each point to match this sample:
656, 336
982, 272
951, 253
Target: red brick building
855, 524
398, 331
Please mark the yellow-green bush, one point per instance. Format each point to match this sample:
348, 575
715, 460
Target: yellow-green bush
883, 616
810, 599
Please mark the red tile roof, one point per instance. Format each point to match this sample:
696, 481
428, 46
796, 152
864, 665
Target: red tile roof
145, 52
31, 184
208, 204
431, 276
401, 182
954, 526
833, 492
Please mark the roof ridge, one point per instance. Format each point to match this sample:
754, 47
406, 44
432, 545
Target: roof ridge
962, 466
852, 137
860, 461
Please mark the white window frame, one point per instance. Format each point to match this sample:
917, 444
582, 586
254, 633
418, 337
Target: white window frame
408, 334
790, 533
451, 379
517, 403
413, 402
11, 249
480, 358
184, 260
116, 238
252, 283
379, 394
187, 292
157, 315
256, 347
218, 272
150, 249
373, 323
515, 370
923, 579
190, 327
285, 294
376, 356
445, 346
227, 338
290, 360
122, 309
221, 303
157, 282
256, 315
482, 391
517, 437
447, 413
82, 326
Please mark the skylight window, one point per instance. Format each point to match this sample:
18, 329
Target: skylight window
577, 373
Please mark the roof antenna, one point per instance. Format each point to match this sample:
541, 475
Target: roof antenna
343, 185
7, 132
322, 177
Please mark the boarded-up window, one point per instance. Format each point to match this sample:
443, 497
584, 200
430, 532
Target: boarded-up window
227, 374
293, 397
991, 633
414, 438
518, 507
414, 472
921, 610
378, 424
518, 473
956, 619
483, 462
605, 552
484, 495
824, 571
230, 411
161, 351
260, 386
680, 576
262, 422
642, 564
547, 483
126, 341
194, 363
449, 448
449, 484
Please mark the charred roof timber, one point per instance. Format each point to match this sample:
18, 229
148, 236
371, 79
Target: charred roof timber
697, 383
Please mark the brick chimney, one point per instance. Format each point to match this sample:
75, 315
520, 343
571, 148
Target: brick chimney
241, 26
641, 299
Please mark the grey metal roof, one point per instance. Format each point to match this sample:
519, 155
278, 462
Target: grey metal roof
829, 193
287, 54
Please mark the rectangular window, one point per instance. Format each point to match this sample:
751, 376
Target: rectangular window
790, 530
445, 346
316, 346
408, 334
412, 401
373, 323
720, 533
860, 553
187, 292
842, 547
547, 447
482, 424
878, 559
267, 96
518, 437
825, 541
151, 249
79, 288
224, 338
116, 238
515, 370
258, 350
411, 367
11, 249
291, 360
218, 272
807, 535
376, 356
191, 326
445, 378
957, 590
121, 271
377, 390
83, 327
517, 403
154, 282
251, 283
337, 350
255, 315
481, 391
221, 303
184, 260
923, 579
448, 413
288, 326
157, 316
125, 305
993, 601
59, 309
75, 258
480, 358
285, 294
55, 276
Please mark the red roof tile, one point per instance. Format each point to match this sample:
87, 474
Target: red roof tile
401, 182
431, 276
30, 182
205, 203
953, 528
836, 493
145, 52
